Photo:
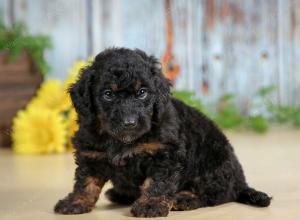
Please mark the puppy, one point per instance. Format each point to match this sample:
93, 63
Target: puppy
159, 153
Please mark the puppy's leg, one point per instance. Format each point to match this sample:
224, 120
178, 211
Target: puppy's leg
114, 196
84, 196
156, 198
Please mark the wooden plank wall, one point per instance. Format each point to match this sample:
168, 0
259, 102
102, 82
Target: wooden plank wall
221, 46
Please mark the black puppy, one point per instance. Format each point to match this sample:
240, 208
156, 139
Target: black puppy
159, 153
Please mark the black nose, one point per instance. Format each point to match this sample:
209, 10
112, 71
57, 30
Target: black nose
130, 122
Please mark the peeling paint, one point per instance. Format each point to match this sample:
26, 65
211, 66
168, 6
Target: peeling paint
212, 47
171, 69
231, 10
210, 13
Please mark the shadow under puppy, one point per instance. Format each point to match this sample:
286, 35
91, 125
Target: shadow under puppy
159, 153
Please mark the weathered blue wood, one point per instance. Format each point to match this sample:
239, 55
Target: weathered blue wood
64, 22
5, 12
241, 47
284, 51
295, 34
222, 46
188, 34
97, 25
112, 20
143, 25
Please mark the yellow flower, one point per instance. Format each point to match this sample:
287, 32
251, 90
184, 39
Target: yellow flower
74, 71
72, 126
51, 95
38, 130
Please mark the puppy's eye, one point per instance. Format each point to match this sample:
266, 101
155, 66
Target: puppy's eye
108, 95
142, 93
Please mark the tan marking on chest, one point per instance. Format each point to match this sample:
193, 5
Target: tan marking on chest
150, 148
93, 154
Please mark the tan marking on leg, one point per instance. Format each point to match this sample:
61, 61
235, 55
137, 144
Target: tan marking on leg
93, 185
90, 193
146, 184
146, 198
187, 194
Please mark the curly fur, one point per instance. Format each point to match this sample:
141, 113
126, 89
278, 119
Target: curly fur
172, 158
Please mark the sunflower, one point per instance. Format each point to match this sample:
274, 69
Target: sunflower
38, 130
73, 73
72, 126
51, 95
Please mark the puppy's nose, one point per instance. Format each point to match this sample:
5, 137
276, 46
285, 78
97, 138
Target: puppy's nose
130, 122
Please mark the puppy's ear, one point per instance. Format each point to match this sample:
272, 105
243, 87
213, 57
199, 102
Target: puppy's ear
163, 86
161, 83
163, 91
81, 93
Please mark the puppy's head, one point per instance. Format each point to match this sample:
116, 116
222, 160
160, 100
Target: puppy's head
124, 92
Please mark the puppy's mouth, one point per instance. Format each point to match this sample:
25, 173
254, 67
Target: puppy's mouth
125, 136
127, 139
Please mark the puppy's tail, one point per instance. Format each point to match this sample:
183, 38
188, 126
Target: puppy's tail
252, 197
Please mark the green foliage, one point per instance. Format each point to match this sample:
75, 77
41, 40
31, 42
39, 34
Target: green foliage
189, 98
229, 116
258, 124
283, 114
286, 114
296, 121
266, 91
16, 39
280, 114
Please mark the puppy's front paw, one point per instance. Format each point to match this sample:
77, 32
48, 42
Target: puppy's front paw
68, 207
150, 208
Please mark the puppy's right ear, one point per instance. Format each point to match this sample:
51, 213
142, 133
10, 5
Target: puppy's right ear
81, 93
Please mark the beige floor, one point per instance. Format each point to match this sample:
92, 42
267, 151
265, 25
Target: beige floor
30, 185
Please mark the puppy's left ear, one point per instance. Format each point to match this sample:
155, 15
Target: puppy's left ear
161, 83
163, 86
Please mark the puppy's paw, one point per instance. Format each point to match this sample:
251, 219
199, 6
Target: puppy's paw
150, 208
186, 204
68, 207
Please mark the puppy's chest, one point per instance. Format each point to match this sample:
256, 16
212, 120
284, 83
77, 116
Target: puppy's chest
128, 173
131, 164
135, 154
131, 172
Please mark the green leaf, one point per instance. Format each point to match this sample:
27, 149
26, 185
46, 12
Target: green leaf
228, 115
16, 40
296, 121
189, 98
258, 124
265, 91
